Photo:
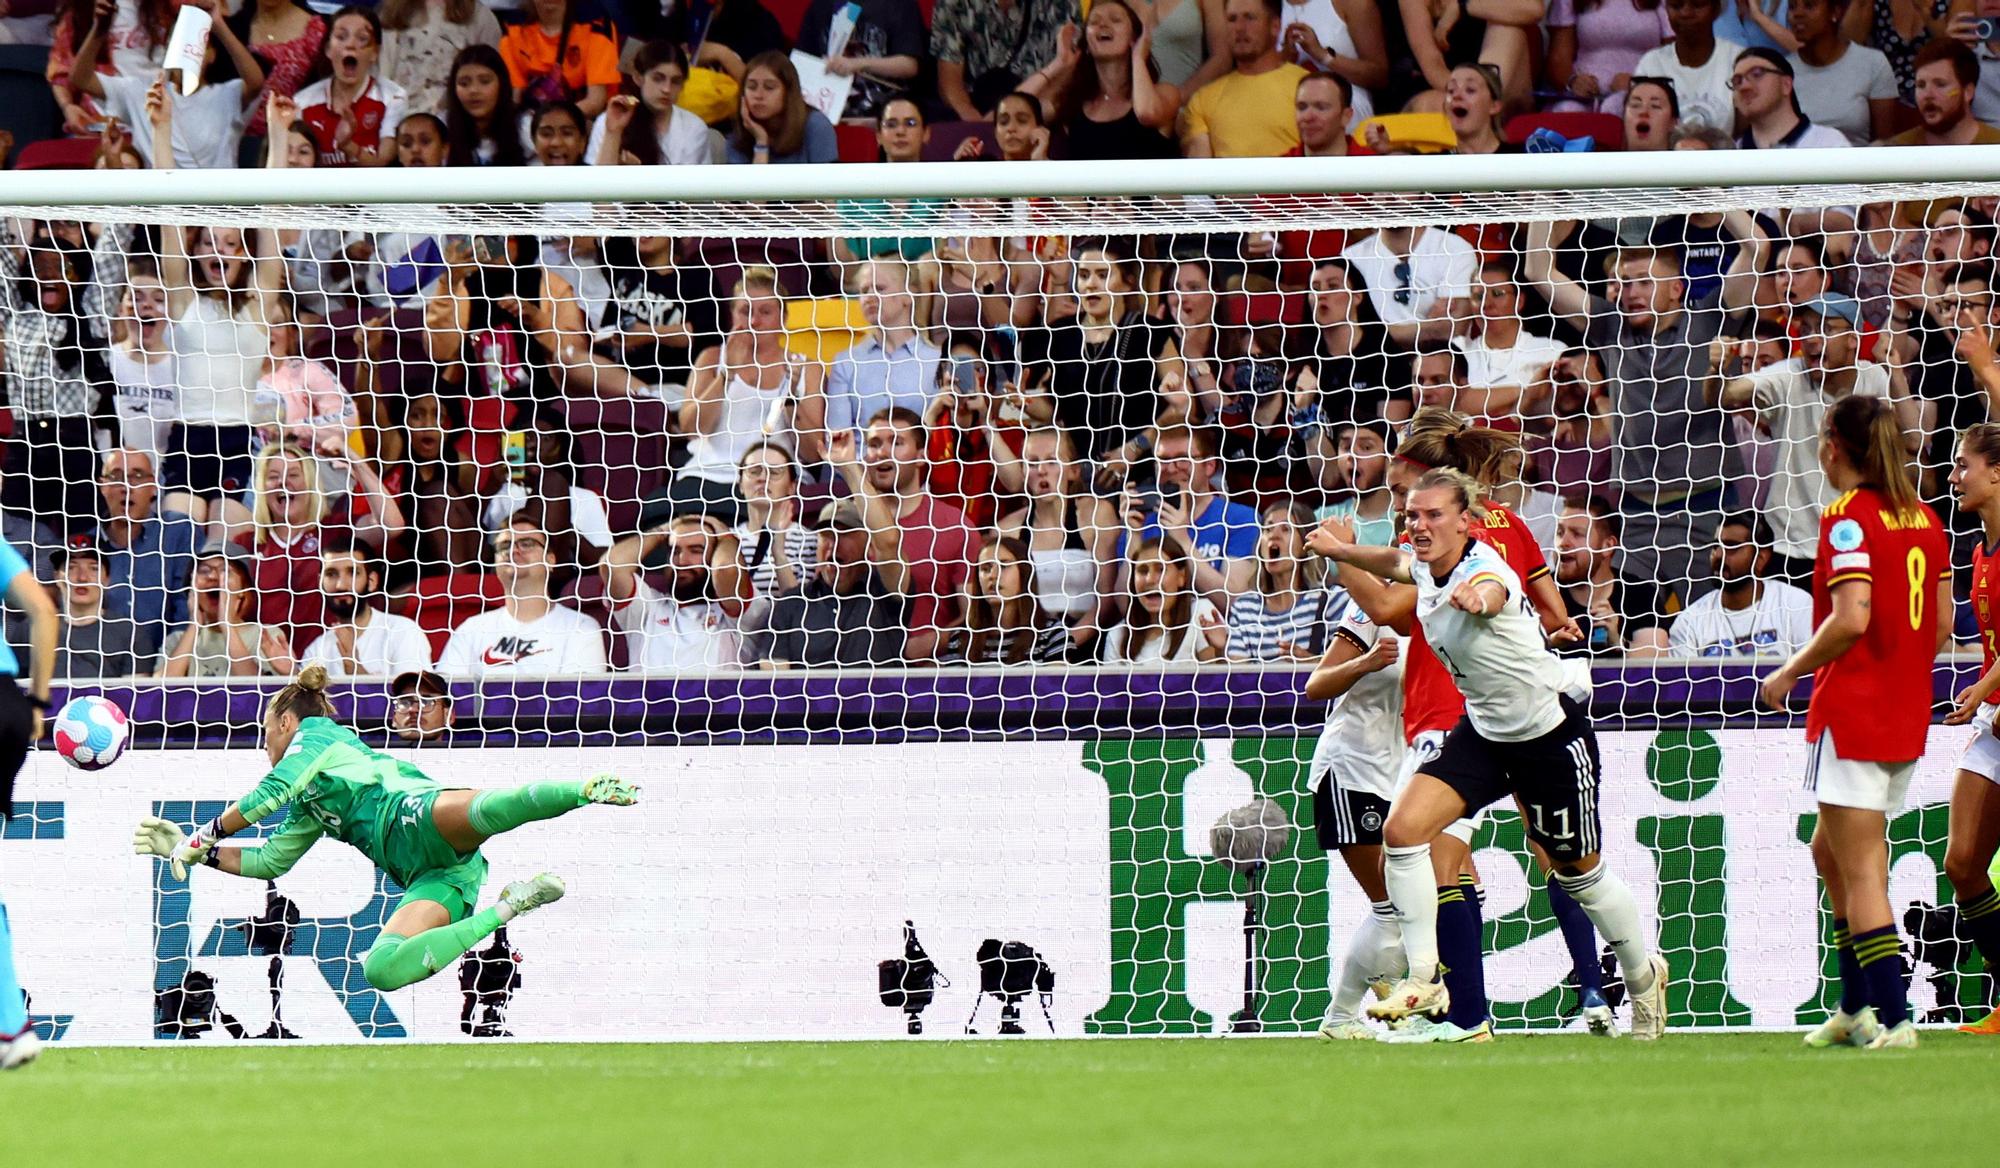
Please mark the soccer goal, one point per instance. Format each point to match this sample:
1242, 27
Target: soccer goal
929, 542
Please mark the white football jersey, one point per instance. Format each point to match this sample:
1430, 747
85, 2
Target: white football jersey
1362, 743
1511, 681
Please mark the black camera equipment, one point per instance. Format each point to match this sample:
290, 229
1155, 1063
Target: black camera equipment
272, 933
487, 979
1010, 972
1936, 940
189, 1009
910, 982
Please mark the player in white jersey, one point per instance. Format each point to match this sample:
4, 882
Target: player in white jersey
1354, 773
1521, 736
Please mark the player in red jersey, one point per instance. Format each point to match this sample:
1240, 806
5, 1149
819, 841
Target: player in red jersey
1975, 799
1432, 705
1881, 610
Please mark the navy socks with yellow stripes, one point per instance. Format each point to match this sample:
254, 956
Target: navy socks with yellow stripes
1460, 956
1981, 916
1881, 958
1853, 987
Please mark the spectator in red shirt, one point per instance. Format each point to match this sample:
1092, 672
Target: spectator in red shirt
922, 546
352, 112
295, 517
971, 464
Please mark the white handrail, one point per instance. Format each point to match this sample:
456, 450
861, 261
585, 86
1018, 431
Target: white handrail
966, 180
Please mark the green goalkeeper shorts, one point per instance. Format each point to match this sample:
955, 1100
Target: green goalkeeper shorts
437, 872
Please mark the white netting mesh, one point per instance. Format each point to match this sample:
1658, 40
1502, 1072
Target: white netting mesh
692, 442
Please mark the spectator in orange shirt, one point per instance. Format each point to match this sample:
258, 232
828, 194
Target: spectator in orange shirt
589, 59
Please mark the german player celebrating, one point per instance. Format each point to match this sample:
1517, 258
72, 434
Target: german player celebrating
1974, 835
1432, 705
1521, 735
1881, 580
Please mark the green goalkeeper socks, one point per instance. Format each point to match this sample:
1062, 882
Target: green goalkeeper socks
395, 962
493, 812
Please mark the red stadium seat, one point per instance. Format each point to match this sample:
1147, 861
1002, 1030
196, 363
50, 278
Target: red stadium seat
57, 154
790, 14
619, 448
441, 603
857, 143
1607, 129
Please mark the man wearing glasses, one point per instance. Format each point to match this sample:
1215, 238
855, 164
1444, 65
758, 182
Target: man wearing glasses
1413, 278
529, 635
1765, 103
420, 709
147, 549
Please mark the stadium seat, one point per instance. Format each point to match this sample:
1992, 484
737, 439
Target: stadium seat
27, 106
790, 14
1422, 133
1607, 129
440, 604
945, 137
585, 593
57, 154
619, 447
857, 142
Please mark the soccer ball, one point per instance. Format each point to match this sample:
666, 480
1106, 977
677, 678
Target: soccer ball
91, 733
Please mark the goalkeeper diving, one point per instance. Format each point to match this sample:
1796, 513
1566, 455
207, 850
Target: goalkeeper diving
426, 837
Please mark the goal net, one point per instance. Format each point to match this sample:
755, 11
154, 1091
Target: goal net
930, 542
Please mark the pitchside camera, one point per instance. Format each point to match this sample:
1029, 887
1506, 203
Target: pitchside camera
909, 982
1010, 972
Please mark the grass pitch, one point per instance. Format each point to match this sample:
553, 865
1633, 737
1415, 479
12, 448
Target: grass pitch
1701, 1101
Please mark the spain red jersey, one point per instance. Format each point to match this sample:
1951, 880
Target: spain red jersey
1986, 600
1431, 700
1877, 695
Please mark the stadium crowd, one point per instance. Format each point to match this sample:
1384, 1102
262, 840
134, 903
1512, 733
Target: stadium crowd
236, 451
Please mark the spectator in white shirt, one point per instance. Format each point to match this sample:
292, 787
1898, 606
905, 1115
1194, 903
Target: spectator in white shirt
1696, 60
652, 128
690, 626
1414, 277
1749, 616
360, 639
1505, 363
530, 635
1768, 106
1841, 84
206, 126
1790, 400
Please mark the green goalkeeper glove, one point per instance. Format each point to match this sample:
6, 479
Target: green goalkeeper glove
157, 837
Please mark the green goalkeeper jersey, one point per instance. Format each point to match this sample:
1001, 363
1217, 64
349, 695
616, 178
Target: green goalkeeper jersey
340, 786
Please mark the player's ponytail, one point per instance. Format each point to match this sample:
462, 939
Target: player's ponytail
305, 697
1447, 438
1869, 436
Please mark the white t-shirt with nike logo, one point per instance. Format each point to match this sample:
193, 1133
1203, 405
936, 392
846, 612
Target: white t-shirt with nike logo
494, 644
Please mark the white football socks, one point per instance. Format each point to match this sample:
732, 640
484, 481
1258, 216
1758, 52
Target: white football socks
1413, 890
1610, 907
1375, 950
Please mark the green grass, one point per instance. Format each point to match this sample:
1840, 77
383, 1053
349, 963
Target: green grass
1561, 1101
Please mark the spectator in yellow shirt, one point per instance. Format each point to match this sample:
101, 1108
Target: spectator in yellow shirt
1246, 112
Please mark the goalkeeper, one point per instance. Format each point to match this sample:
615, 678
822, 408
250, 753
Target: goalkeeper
425, 837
